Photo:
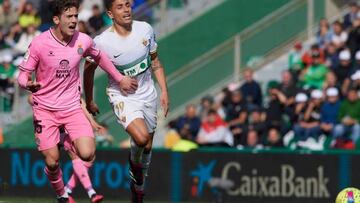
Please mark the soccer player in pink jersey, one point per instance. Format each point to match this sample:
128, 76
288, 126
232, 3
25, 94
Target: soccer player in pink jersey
55, 57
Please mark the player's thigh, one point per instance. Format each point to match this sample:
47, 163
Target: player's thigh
78, 126
138, 131
46, 129
84, 145
149, 110
80, 133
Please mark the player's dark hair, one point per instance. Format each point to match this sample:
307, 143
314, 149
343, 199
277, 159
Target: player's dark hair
108, 4
59, 6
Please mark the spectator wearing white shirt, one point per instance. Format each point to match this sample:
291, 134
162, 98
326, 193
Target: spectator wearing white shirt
339, 36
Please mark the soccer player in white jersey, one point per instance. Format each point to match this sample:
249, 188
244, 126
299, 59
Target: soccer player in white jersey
132, 48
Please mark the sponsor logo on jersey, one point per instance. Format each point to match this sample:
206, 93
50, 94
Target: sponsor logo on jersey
63, 70
115, 56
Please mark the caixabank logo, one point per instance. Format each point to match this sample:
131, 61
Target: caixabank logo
272, 181
201, 177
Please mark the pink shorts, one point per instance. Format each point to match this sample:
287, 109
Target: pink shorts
66, 142
47, 124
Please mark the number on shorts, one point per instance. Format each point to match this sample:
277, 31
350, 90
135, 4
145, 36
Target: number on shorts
120, 106
37, 126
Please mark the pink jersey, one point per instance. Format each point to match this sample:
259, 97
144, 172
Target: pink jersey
56, 67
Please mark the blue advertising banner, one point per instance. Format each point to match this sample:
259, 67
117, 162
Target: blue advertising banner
198, 176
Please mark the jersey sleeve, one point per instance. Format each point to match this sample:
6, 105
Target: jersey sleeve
153, 43
31, 58
91, 51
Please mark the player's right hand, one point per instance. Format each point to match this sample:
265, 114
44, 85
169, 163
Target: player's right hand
92, 108
128, 85
33, 86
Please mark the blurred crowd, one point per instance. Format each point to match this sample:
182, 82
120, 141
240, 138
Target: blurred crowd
314, 105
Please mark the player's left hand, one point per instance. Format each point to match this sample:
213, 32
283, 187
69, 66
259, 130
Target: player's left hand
164, 101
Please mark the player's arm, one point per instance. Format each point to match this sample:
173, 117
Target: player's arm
159, 73
89, 71
95, 125
24, 80
127, 84
27, 66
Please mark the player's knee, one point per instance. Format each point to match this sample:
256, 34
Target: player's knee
87, 155
142, 141
52, 164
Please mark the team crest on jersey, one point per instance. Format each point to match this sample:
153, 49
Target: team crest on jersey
80, 50
145, 42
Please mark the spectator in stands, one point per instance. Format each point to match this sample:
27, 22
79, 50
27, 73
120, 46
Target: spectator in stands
253, 140
29, 16
308, 59
96, 21
339, 36
206, 104
214, 132
3, 44
323, 37
331, 82
309, 126
332, 56
188, 125
251, 90
294, 60
256, 122
353, 41
349, 117
25, 39
352, 16
355, 81
344, 70
314, 76
8, 74
330, 111
8, 15
288, 87
299, 112
275, 107
236, 116
13, 36
274, 139
82, 26
357, 61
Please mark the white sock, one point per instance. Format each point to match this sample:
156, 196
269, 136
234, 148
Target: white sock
91, 192
65, 195
136, 152
68, 190
146, 159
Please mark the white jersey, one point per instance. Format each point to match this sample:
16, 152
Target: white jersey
131, 56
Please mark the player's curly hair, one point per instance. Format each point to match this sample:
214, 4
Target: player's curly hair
108, 4
59, 6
